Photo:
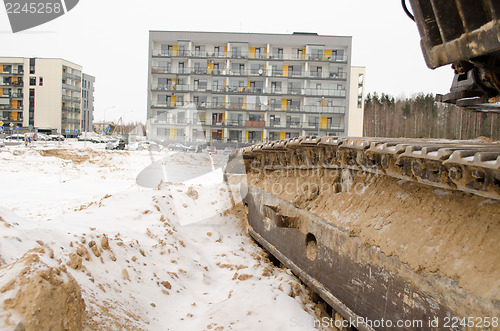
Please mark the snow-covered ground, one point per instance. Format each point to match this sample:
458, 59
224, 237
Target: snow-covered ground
168, 258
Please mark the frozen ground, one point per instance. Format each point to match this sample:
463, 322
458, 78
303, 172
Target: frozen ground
73, 221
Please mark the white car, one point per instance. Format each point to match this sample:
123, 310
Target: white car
15, 137
144, 145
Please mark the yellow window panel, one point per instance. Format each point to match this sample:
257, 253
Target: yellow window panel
283, 104
1, 67
210, 68
262, 136
323, 123
13, 116
327, 54
282, 135
13, 104
246, 136
285, 71
225, 50
172, 101
252, 53
303, 53
174, 50
172, 133
244, 103
14, 79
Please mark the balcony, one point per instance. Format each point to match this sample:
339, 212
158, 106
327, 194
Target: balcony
10, 83
252, 107
71, 76
12, 73
70, 110
70, 87
10, 108
259, 124
16, 95
70, 98
250, 55
250, 72
11, 119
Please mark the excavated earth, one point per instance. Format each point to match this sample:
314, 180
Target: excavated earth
449, 233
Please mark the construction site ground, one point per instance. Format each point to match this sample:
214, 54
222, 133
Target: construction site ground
82, 246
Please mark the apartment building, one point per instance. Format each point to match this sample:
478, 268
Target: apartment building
87, 123
42, 94
251, 87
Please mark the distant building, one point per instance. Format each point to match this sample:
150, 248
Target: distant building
357, 102
251, 87
87, 103
41, 93
102, 126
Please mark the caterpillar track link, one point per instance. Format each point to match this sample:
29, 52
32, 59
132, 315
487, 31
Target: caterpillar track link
469, 166
382, 229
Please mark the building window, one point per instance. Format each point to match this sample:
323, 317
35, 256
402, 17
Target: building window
40, 81
32, 81
360, 91
32, 66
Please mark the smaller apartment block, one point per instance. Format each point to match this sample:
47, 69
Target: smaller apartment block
45, 94
87, 103
252, 87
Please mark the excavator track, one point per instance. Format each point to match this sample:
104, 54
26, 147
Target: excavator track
469, 166
362, 260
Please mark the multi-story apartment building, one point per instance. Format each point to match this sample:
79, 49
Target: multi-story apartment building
87, 103
41, 93
251, 87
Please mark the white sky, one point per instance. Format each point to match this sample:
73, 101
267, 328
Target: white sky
109, 38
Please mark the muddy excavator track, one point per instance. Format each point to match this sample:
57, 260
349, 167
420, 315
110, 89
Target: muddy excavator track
469, 166
367, 271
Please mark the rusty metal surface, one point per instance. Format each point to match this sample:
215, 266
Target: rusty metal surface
454, 31
356, 280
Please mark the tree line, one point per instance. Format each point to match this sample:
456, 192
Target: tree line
422, 117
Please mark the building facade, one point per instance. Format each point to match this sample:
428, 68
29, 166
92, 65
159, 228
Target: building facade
87, 103
41, 93
250, 87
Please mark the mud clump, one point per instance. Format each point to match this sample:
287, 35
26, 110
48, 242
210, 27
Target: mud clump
192, 193
43, 297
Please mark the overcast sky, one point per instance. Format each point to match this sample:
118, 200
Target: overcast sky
109, 38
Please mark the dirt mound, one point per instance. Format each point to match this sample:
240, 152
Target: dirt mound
36, 296
449, 233
71, 155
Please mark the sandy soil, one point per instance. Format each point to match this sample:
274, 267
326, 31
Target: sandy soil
449, 233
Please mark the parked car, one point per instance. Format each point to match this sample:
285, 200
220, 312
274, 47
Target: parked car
229, 150
40, 137
97, 139
194, 149
56, 137
177, 147
212, 149
115, 144
144, 145
15, 137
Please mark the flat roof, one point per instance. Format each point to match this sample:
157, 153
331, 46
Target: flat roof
295, 38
